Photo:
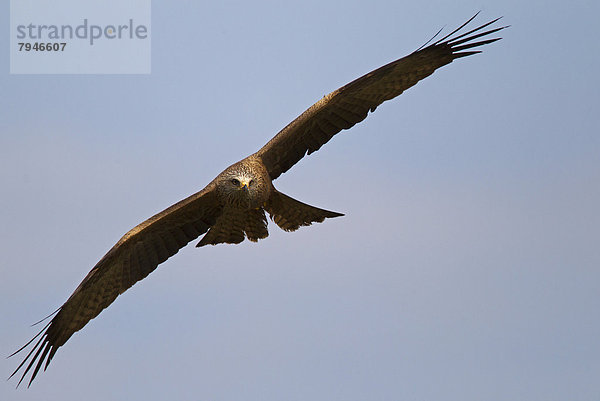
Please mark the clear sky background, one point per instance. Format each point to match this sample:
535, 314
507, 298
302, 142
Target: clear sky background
467, 266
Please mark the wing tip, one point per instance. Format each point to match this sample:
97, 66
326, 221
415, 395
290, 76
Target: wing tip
43, 347
464, 40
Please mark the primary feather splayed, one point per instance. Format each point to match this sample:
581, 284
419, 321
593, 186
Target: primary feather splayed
232, 206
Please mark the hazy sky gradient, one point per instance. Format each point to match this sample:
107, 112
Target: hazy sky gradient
466, 267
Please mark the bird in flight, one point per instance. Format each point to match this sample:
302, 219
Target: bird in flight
232, 206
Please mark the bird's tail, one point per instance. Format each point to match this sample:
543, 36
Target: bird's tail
289, 214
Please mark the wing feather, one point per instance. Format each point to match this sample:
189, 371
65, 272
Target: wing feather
136, 255
350, 104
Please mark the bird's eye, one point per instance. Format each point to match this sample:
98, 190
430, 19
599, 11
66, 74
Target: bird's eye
235, 182
251, 183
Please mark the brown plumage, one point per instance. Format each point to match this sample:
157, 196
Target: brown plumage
232, 207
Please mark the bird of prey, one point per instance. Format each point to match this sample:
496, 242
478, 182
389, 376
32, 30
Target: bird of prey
232, 207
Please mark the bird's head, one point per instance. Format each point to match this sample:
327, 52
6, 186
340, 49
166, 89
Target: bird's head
241, 186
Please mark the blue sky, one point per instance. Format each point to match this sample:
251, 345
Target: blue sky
465, 268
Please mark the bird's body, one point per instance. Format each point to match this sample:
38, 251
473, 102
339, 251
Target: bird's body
233, 206
245, 192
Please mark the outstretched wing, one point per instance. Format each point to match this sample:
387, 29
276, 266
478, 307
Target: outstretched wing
135, 256
350, 104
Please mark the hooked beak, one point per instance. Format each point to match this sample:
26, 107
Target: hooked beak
244, 186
